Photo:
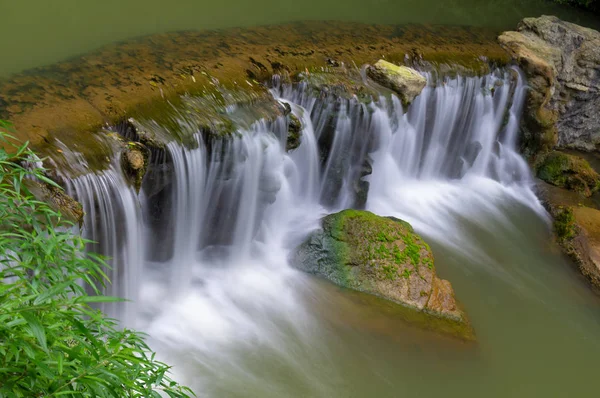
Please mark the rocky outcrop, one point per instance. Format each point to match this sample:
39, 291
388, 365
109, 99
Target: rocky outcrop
576, 228
568, 171
562, 64
384, 257
404, 81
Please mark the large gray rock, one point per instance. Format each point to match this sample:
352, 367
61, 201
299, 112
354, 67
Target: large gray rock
562, 63
406, 82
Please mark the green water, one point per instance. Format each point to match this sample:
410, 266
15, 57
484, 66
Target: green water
537, 325
39, 32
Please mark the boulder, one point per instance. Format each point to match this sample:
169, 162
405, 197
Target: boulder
384, 257
562, 64
568, 171
406, 82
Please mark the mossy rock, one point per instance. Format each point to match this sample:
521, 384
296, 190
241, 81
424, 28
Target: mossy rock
294, 132
383, 256
568, 171
404, 81
134, 162
338, 82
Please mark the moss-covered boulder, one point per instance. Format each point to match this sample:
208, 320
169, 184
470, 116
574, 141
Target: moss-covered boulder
384, 257
568, 171
406, 82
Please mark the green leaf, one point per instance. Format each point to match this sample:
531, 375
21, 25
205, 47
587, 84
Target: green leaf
61, 287
99, 299
36, 328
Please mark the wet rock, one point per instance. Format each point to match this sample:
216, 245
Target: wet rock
294, 137
568, 171
576, 228
338, 82
57, 199
406, 82
134, 162
384, 257
562, 64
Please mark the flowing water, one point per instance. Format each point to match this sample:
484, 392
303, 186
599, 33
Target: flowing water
203, 252
39, 32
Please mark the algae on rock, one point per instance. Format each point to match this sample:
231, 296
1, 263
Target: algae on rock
383, 256
568, 171
406, 82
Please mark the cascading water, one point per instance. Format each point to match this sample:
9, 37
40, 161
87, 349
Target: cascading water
203, 248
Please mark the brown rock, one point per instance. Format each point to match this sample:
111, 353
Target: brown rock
384, 257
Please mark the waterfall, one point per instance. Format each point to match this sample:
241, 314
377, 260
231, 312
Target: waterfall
202, 250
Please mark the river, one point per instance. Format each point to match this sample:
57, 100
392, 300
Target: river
206, 262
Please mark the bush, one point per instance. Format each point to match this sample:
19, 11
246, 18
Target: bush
52, 342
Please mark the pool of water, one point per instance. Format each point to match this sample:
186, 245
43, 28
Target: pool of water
294, 335
39, 32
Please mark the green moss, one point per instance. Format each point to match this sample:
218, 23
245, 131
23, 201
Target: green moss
388, 245
390, 272
564, 223
568, 171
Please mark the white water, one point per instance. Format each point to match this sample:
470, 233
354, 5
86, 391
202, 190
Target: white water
204, 254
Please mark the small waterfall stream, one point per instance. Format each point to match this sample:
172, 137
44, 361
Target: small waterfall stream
202, 250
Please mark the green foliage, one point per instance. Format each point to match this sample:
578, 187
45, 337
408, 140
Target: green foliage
52, 342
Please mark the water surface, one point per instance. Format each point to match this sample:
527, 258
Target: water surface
39, 32
205, 257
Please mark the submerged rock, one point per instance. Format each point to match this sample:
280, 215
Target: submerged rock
406, 82
568, 171
562, 64
384, 257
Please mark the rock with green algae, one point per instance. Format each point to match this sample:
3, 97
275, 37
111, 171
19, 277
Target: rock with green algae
568, 171
338, 82
406, 82
576, 228
383, 256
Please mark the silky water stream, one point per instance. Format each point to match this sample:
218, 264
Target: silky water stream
203, 251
